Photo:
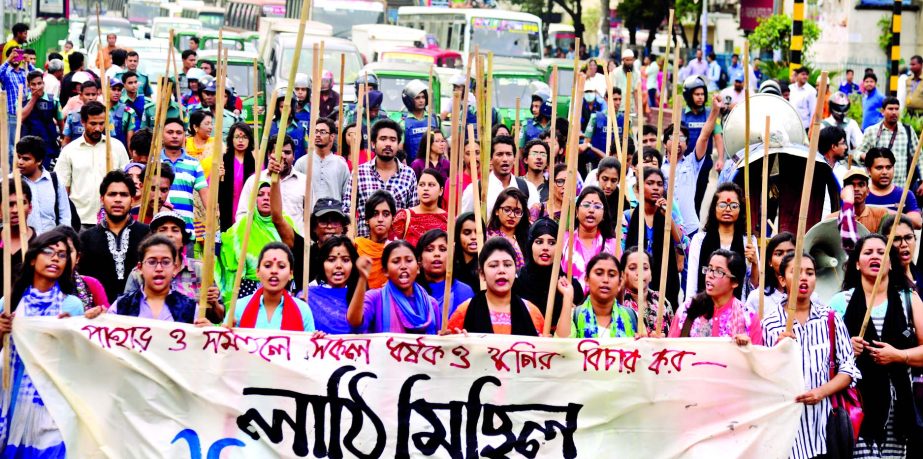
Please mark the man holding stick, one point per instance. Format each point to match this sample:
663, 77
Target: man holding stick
330, 175
502, 155
189, 176
291, 182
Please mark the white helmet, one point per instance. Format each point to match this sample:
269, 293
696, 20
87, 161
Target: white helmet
196, 73
302, 81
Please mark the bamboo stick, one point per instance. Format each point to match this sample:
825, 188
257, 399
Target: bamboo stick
610, 121
667, 228
340, 109
488, 120
663, 81
570, 188
154, 163
642, 223
747, 139
256, 101
516, 139
251, 206
453, 200
368, 118
764, 215
626, 123
211, 207
886, 259
309, 175
805, 197
7, 233
478, 221
428, 113
572, 151
17, 181
171, 58
105, 81
553, 139
356, 145
287, 104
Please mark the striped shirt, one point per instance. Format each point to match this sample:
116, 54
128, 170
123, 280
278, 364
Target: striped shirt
814, 339
189, 179
402, 185
11, 79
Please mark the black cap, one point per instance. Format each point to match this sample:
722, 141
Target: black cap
325, 206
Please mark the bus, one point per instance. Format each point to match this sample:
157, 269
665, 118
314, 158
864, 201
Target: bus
505, 33
341, 14
245, 14
212, 17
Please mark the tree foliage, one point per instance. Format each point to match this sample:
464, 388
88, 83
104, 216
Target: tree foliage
573, 8
775, 32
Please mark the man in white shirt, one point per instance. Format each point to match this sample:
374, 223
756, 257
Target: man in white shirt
82, 164
803, 96
714, 72
734, 94
330, 175
501, 177
292, 183
53, 75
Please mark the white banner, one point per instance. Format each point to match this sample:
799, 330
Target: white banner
121, 387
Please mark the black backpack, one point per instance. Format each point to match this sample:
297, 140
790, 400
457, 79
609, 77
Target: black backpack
75, 219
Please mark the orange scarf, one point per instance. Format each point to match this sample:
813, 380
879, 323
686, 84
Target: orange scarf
369, 248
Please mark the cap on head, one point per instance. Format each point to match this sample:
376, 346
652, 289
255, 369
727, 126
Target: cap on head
170, 216
855, 172
327, 206
628, 54
55, 65
114, 81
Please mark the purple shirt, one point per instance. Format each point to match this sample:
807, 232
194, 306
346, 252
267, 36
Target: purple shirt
373, 320
891, 200
697, 67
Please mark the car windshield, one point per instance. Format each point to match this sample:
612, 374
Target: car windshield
506, 90
142, 13
212, 43
343, 20
506, 37
331, 62
565, 81
241, 76
212, 20
120, 30
153, 65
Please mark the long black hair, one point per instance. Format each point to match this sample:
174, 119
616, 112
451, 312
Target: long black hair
226, 186
426, 239
853, 278
606, 228
702, 305
789, 258
324, 252
522, 228
711, 240
439, 179
772, 278
422, 152
65, 281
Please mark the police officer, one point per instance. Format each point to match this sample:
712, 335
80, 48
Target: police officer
375, 113
597, 130
414, 119
208, 98
541, 114
121, 116
295, 130
368, 79
194, 77
301, 101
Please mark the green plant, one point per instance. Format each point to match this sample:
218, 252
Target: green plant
855, 108
884, 35
915, 122
775, 32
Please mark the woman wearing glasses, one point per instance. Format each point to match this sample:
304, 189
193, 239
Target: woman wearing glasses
556, 197
509, 223
716, 311
45, 288
410, 224
726, 228
594, 230
906, 243
239, 164
157, 299
435, 159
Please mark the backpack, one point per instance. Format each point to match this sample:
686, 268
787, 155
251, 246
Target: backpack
521, 184
75, 219
724, 79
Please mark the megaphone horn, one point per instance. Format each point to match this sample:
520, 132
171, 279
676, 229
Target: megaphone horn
824, 243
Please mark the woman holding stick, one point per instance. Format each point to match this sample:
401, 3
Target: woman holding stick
890, 347
435, 158
535, 276
815, 324
725, 228
716, 311
401, 305
379, 214
906, 242
239, 163
600, 316
507, 222
777, 248
411, 223
637, 263
432, 253
466, 251
594, 231
334, 286
498, 310
655, 204
262, 308
45, 288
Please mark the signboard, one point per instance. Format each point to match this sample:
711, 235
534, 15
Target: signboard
124, 387
752, 10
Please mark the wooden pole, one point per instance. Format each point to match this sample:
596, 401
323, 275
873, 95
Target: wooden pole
154, 164
17, 181
639, 175
368, 118
667, 228
747, 139
764, 215
251, 206
453, 200
211, 207
886, 259
626, 127
571, 154
552, 139
256, 101
171, 58
570, 188
7, 233
478, 220
516, 139
287, 104
623, 186
340, 110
356, 145
428, 113
309, 175
805, 197
663, 81
105, 81
610, 120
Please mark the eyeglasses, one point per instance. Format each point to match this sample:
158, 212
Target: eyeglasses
560, 181
512, 211
154, 263
719, 274
52, 253
898, 240
241, 137
321, 132
681, 138
330, 223
591, 205
538, 153
729, 205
